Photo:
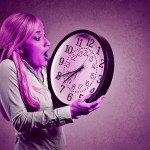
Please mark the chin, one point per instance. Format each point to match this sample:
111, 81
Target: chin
44, 63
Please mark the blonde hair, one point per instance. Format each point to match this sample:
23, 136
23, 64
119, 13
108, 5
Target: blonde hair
15, 30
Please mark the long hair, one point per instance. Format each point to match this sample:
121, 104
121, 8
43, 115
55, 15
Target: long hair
15, 30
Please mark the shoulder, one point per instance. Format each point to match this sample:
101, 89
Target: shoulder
7, 63
7, 66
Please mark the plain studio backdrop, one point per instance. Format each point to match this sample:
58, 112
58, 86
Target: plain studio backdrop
123, 121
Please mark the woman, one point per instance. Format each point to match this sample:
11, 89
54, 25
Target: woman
24, 96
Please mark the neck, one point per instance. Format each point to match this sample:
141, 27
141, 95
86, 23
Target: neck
37, 70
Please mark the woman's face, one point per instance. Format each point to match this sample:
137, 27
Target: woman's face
35, 48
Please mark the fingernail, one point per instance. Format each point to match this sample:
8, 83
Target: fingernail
99, 101
102, 97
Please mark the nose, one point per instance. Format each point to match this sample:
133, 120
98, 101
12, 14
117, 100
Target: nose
47, 43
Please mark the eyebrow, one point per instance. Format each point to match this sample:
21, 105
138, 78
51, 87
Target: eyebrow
38, 31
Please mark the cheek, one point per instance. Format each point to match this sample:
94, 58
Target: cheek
31, 51
37, 57
26, 54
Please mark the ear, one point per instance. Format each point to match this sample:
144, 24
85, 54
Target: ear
19, 50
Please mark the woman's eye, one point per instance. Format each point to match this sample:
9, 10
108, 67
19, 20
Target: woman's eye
37, 38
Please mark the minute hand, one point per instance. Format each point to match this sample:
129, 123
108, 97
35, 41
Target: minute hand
68, 73
78, 70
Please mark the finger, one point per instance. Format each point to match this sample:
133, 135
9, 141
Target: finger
94, 108
85, 98
96, 104
101, 98
93, 104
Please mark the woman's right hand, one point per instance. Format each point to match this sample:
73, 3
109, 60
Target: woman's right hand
81, 107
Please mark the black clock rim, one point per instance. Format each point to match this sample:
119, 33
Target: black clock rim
108, 69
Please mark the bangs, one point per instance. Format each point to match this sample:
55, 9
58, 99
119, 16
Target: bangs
31, 26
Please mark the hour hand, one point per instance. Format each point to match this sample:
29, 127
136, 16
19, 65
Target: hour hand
73, 71
68, 73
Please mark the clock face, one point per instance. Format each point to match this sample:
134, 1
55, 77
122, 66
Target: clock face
79, 66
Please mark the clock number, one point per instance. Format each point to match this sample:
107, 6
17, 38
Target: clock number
80, 53
69, 96
69, 49
85, 53
73, 57
75, 75
61, 61
69, 81
101, 65
90, 42
81, 95
62, 88
98, 50
92, 76
100, 78
92, 90
73, 87
87, 83
93, 66
67, 64
79, 42
58, 75
80, 86
91, 58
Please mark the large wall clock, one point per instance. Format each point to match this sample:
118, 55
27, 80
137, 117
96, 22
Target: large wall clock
82, 63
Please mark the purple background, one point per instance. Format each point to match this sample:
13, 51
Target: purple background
123, 121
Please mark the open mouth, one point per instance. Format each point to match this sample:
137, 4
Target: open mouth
46, 56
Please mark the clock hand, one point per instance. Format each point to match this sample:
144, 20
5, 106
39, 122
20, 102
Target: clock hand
74, 70
69, 73
70, 76
86, 59
78, 70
